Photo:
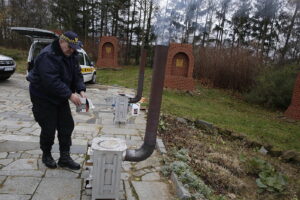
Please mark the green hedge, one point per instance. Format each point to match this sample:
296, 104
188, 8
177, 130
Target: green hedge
274, 87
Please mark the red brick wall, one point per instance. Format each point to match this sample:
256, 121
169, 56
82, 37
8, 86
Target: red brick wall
108, 52
293, 110
179, 67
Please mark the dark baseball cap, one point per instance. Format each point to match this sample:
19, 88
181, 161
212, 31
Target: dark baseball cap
72, 39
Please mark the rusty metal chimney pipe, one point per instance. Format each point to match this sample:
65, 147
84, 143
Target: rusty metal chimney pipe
158, 75
141, 78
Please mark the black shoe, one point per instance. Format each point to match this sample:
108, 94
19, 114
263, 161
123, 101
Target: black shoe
48, 160
65, 160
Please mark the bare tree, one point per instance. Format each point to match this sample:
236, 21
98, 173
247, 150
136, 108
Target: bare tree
296, 4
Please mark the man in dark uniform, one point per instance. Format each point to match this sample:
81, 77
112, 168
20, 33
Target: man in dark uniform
54, 80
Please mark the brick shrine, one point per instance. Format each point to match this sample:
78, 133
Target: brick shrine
179, 67
293, 110
108, 52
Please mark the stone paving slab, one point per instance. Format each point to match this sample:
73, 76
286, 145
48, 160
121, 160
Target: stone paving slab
22, 164
2, 178
58, 188
151, 190
153, 161
14, 197
154, 176
129, 193
75, 149
21, 138
24, 173
11, 123
14, 146
58, 173
20, 185
3, 154
6, 161
119, 131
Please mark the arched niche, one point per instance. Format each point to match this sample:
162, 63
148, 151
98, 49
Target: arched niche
180, 65
108, 50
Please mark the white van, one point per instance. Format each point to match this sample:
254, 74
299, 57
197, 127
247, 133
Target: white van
41, 38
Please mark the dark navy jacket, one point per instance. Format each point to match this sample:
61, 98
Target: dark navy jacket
54, 76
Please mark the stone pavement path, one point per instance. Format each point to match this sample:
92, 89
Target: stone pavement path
24, 177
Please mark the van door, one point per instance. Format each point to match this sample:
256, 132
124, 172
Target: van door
84, 68
35, 33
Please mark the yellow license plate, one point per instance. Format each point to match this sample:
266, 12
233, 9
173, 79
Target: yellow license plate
85, 70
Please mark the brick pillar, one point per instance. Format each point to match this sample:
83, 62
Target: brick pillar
293, 110
179, 67
108, 52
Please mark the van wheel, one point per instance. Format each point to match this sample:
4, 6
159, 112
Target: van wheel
93, 81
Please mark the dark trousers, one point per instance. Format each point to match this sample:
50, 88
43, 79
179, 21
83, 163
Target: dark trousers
53, 117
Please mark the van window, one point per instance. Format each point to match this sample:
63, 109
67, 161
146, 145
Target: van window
81, 59
37, 49
88, 62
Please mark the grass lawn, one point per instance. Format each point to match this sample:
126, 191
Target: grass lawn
217, 106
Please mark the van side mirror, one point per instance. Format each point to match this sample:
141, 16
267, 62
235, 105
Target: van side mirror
92, 63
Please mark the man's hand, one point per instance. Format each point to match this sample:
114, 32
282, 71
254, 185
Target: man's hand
82, 94
75, 99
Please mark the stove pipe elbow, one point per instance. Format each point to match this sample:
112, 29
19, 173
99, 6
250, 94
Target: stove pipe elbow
157, 85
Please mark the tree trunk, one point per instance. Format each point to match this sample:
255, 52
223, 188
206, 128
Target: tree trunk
144, 22
138, 39
106, 19
194, 34
206, 27
285, 48
147, 36
102, 16
131, 30
127, 35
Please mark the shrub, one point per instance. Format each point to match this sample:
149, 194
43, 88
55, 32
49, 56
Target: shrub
228, 68
274, 87
182, 155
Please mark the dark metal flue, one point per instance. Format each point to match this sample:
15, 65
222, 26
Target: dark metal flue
141, 78
158, 75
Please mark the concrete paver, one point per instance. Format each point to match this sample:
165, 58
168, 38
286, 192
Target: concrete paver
20, 185
23, 176
3, 155
154, 176
22, 164
23, 173
58, 173
14, 197
2, 178
58, 188
151, 190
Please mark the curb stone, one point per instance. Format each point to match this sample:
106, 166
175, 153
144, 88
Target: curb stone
181, 192
160, 146
204, 124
